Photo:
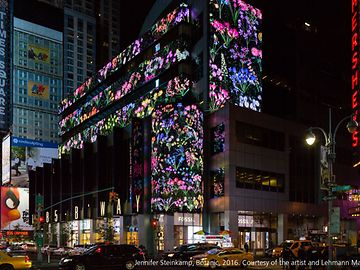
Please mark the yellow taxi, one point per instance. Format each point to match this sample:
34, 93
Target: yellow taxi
223, 257
277, 251
304, 244
8, 261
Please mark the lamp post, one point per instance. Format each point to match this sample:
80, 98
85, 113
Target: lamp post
352, 125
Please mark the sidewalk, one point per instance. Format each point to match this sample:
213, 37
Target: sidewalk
54, 263
37, 266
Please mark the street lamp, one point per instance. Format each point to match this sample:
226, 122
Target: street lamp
310, 138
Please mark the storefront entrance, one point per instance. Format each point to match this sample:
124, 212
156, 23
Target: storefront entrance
259, 231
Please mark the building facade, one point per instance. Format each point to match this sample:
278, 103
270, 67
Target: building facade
169, 138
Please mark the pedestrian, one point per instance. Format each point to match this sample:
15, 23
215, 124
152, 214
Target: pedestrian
246, 247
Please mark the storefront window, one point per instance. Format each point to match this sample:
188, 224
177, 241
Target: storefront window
258, 230
186, 226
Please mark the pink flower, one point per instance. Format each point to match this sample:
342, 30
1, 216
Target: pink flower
218, 26
255, 52
233, 33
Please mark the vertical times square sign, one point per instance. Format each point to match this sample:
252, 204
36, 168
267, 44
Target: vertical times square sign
355, 64
4, 64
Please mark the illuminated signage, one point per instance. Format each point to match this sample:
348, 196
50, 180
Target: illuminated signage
104, 208
354, 195
252, 221
355, 68
17, 233
187, 219
4, 63
354, 211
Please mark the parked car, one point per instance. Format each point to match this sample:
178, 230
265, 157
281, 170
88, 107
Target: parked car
103, 257
48, 249
185, 252
29, 247
79, 249
10, 262
223, 257
62, 251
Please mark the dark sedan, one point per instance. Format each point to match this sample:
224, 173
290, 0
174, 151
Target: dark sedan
103, 257
185, 252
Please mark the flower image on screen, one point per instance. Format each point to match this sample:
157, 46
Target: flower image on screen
176, 158
235, 55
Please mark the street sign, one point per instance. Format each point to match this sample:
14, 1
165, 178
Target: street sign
329, 198
341, 188
39, 201
335, 221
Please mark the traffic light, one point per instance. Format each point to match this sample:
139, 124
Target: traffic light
41, 220
154, 223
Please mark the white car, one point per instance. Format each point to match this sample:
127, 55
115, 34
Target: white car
78, 249
62, 251
48, 249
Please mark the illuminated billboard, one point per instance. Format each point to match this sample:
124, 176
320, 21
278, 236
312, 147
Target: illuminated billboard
15, 208
176, 158
235, 55
26, 155
5, 162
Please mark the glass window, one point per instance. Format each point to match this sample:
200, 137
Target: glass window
260, 180
80, 24
70, 22
218, 139
217, 183
254, 135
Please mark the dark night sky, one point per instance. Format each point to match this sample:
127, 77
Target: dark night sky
133, 14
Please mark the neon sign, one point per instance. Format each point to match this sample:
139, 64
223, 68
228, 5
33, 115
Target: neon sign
355, 68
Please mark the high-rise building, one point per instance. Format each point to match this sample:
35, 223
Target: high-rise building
37, 72
91, 37
79, 43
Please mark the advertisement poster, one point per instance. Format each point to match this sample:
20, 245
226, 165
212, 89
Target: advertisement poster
38, 90
38, 53
5, 162
26, 155
15, 208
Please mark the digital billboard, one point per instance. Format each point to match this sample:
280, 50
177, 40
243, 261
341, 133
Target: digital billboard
26, 155
15, 208
5, 161
235, 52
